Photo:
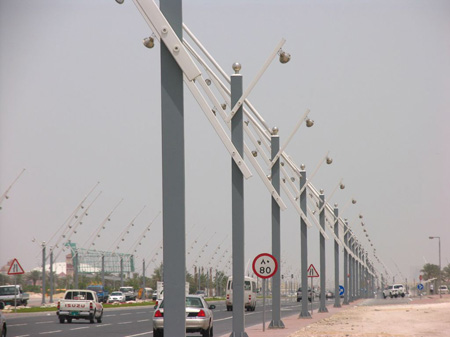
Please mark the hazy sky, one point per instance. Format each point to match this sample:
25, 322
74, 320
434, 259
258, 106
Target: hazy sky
80, 103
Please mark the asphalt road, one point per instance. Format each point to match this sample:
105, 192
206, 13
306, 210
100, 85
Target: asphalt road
131, 322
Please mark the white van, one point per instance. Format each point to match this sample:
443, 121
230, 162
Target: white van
249, 293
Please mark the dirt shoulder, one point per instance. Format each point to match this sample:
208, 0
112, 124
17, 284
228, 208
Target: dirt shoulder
426, 317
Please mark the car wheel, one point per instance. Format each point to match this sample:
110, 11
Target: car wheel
69, 320
207, 333
61, 320
99, 320
158, 333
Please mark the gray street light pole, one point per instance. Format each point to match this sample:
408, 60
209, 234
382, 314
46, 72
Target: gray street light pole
121, 271
440, 276
346, 265
103, 270
357, 273
322, 307
276, 322
173, 179
351, 266
304, 247
51, 275
237, 200
143, 280
43, 272
75, 269
337, 297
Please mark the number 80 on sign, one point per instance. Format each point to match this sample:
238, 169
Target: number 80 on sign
265, 265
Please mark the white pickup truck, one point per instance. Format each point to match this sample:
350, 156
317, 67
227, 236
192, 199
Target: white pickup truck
8, 296
80, 304
395, 290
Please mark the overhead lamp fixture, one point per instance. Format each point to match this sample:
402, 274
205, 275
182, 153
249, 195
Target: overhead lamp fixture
236, 67
341, 186
353, 201
208, 82
119, 1
149, 42
284, 57
254, 153
329, 160
309, 123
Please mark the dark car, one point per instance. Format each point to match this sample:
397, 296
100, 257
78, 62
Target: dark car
299, 294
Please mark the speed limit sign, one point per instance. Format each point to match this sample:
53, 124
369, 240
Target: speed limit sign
265, 265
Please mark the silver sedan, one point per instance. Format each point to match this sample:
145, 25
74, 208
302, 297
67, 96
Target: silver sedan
199, 317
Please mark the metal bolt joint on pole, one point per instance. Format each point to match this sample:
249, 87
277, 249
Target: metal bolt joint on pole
276, 322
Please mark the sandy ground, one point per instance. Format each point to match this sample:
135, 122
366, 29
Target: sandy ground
427, 317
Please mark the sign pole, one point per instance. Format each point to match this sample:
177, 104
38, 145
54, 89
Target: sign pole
15, 293
264, 304
312, 293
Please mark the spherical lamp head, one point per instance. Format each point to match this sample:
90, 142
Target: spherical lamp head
236, 67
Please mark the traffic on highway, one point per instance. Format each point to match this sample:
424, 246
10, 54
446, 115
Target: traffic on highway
131, 321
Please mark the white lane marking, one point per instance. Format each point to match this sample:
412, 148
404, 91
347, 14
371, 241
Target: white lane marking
99, 326
223, 319
140, 334
49, 332
126, 313
10, 325
23, 336
45, 322
83, 327
143, 320
125, 323
141, 312
110, 315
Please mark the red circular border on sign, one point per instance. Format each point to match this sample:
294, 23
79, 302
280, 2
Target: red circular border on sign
272, 257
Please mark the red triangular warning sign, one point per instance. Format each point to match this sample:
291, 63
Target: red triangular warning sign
312, 272
15, 268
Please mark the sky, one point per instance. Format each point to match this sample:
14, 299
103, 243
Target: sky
80, 104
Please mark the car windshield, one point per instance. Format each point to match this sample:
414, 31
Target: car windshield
192, 302
398, 286
79, 295
8, 290
116, 293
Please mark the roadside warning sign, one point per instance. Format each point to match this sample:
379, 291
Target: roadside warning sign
15, 268
312, 272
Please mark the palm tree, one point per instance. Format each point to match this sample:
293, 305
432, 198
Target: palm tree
34, 276
430, 271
